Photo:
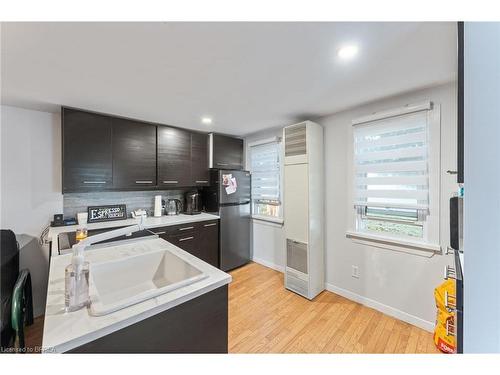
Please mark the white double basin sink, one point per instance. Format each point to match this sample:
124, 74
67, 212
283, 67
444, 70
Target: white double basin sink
117, 284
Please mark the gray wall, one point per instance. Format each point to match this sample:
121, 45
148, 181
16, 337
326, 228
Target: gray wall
482, 182
78, 202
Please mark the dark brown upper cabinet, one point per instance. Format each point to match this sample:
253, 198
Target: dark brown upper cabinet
174, 157
134, 154
87, 153
227, 152
199, 159
103, 152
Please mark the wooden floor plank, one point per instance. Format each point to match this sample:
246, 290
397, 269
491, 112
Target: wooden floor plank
282, 322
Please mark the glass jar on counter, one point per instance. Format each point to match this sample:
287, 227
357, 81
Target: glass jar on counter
81, 234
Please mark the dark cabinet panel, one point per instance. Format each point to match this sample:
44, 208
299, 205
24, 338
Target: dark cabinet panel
102, 152
134, 154
199, 325
186, 241
227, 152
209, 242
199, 159
174, 157
200, 239
87, 151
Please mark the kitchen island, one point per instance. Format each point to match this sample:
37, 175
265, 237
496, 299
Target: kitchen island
191, 319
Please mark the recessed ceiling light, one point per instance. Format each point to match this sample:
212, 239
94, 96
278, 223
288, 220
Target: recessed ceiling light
206, 120
348, 52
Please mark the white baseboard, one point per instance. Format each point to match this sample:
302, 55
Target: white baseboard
269, 264
388, 310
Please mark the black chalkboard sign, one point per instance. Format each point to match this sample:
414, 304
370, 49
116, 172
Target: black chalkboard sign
106, 213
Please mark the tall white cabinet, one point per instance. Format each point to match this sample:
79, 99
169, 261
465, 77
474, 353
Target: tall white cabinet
303, 199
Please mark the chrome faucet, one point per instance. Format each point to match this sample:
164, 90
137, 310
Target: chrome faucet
76, 273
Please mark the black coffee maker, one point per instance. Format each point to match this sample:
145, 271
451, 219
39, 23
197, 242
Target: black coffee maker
192, 202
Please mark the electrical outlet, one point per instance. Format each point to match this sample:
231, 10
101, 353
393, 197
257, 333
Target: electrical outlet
355, 272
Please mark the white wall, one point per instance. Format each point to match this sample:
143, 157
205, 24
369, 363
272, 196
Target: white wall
268, 244
482, 182
267, 237
30, 184
398, 283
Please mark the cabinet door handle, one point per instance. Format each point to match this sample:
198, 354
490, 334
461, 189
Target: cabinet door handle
185, 239
171, 182
186, 228
451, 172
210, 225
94, 182
144, 182
158, 233
201, 182
223, 164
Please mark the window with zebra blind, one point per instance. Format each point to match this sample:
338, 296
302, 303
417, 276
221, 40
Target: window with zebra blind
395, 187
266, 179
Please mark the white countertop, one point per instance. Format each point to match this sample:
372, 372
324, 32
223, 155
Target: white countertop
65, 331
149, 222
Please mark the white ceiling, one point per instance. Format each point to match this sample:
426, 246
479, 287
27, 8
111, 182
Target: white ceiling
246, 76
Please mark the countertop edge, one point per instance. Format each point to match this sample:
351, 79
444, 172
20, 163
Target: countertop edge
54, 232
132, 221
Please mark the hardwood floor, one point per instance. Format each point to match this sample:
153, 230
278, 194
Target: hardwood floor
33, 335
266, 318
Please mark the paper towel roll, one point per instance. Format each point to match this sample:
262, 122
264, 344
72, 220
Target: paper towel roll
157, 205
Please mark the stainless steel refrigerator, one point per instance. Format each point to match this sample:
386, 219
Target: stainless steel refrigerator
229, 197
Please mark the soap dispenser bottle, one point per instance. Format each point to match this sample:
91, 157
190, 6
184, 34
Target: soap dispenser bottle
76, 278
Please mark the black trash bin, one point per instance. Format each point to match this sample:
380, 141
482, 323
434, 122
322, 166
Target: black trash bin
9, 256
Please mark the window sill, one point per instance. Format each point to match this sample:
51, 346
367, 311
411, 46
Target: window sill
268, 219
412, 247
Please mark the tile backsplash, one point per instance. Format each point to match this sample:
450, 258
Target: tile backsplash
78, 202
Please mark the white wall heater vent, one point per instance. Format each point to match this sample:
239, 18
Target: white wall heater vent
303, 208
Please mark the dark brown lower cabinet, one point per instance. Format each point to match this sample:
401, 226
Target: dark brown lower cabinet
200, 239
196, 326
186, 241
209, 242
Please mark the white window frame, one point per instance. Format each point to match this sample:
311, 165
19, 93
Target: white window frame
431, 226
270, 219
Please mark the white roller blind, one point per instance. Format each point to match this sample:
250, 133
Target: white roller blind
265, 168
391, 162
265, 172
